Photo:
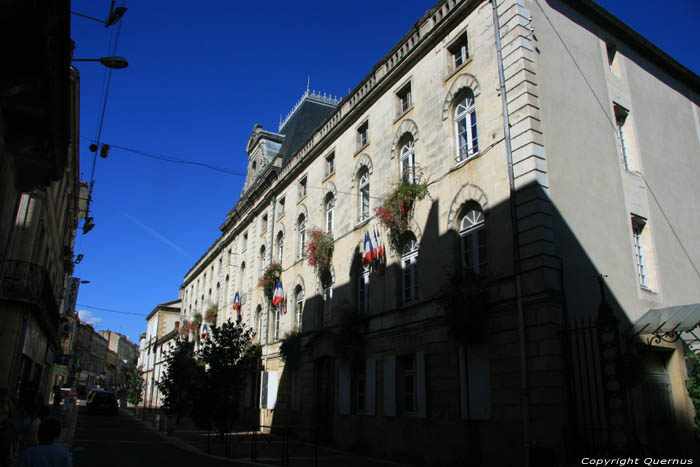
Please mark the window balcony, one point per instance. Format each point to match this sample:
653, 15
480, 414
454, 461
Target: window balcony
30, 283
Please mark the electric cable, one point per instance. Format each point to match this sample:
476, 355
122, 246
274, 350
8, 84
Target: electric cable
110, 310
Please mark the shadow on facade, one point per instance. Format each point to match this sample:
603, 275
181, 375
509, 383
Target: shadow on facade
592, 389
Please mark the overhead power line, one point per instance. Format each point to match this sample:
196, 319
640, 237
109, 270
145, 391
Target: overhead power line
108, 310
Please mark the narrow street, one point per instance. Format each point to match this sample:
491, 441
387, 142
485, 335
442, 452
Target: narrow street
122, 440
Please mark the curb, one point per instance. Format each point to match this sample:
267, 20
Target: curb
185, 446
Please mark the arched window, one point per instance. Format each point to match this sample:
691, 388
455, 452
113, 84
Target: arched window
276, 311
301, 229
363, 188
408, 160
280, 247
472, 232
298, 305
465, 126
262, 260
409, 254
242, 282
327, 294
330, 213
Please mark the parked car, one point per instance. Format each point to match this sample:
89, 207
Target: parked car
103, 402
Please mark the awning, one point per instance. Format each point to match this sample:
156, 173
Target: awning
673, 321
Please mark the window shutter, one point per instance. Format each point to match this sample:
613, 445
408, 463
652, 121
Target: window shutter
370, 386
475, 382
421, 399
344, 389
272, 389
263, 389
390, 386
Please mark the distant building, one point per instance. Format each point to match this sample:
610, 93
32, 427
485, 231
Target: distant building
560, 149
91, 348
126, 352
162, 324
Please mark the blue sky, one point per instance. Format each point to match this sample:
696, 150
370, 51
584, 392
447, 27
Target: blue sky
199, 78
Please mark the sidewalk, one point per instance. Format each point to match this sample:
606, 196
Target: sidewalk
266, 449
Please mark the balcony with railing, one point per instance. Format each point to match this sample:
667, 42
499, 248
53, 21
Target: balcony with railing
30, 283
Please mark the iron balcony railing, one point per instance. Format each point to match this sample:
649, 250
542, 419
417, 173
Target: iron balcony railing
29, 282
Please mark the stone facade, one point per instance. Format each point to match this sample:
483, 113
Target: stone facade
162, 324
538, 202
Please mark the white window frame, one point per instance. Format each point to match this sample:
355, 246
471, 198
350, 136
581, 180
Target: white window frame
641, 268
298, 306
471, 227
363, 134
262, 261
459, 51
408, 272
621, 115
363, 188
330, 164
467, 140
280, 247
363, 290
259, 319
301, 232
408, 161
276, 323
330, 213
302, 187
404, 98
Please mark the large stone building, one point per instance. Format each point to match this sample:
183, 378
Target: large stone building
38, 192
126, 354
525, 312
161, 329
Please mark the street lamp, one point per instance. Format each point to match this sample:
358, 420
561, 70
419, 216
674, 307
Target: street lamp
115, 14
116, 63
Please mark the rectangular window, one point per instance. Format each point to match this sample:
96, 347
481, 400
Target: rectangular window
613, 59
244, 242
404, 98
638, 225
406, 384
459, 51
330, 164
363, 291
362, 135
280, 207
263, 225
621, 131
276, 328
327, 306
408, 277
302, 188
359, 387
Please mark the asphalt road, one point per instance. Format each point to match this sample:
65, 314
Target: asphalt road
124, 441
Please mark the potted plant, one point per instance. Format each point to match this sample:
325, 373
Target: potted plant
211, 313
396, 211
272, 274
196, 322
320, 250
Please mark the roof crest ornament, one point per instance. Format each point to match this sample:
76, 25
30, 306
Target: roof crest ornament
309, 94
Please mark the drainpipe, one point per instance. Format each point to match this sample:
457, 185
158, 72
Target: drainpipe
524, 392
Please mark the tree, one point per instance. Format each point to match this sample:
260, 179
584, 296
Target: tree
226, 358
177, 383
135, 386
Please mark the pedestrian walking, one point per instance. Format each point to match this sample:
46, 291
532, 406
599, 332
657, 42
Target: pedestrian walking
45, 454
56, 396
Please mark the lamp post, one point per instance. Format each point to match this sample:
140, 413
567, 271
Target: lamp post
116, 63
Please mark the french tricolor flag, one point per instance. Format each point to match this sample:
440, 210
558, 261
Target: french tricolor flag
278, 296
367, 252
205, 332
236, 302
